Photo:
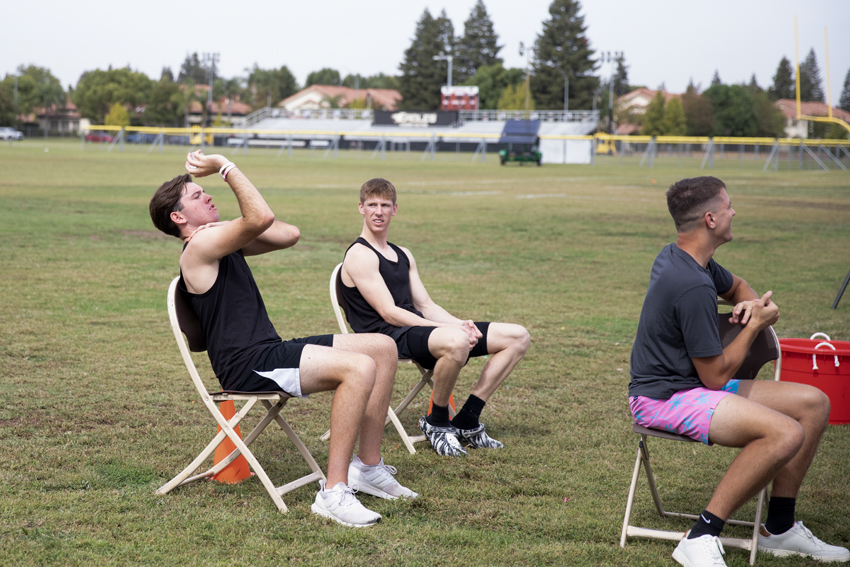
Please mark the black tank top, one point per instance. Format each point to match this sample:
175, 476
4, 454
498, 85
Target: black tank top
234, 320
361, 316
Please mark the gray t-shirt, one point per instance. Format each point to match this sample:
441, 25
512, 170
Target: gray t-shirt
678, 322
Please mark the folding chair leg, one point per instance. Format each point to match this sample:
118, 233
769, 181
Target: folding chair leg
631, 498
404, 437
181, 478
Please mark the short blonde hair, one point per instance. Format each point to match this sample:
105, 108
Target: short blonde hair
378, 187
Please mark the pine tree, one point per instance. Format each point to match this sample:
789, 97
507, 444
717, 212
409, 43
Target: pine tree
715, 80
784, 85
479, 45
811, 88
192, 68
421, 76
674, 118
653, 119
563, 43
844, 101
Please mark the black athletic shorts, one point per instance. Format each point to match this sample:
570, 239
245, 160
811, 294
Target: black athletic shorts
277, 367
414, 345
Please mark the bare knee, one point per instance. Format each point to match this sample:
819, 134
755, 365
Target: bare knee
790, 437
522, 340
455, 346
361, 374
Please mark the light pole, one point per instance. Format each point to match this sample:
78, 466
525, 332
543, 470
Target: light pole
527, 52
211, 59
611, 58
449, 59
566, 89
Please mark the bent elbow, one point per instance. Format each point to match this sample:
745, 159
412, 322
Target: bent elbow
294, 234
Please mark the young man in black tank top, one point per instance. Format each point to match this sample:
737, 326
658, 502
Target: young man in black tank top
247, 354
384, 294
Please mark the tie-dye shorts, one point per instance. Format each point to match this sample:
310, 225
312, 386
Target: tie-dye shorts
687, 412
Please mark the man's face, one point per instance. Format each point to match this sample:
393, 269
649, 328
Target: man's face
377, 213
723, 217
198, 208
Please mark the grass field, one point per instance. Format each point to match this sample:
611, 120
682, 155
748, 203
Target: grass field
97, 410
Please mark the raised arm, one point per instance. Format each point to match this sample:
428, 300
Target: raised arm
715, 371
199, 260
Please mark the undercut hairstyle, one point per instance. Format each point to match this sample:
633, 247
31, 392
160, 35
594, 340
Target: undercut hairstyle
689, 199
380, 188
165, 201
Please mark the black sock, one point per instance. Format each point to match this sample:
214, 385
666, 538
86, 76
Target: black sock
780, 514
467, 417
709, 524
439, 416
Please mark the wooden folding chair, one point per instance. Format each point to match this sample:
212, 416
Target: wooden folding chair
764, 349
183, 321
426, 376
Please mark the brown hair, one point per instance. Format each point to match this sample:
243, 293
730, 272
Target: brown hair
167, 200
689, 199
377, 187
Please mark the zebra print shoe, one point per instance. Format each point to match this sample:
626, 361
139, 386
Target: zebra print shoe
477, 438
443, 439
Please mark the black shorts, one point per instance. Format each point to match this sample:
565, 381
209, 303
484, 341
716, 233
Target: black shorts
413, 344
277, 367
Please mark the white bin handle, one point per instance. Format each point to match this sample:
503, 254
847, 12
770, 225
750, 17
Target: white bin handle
814, 357
824, 335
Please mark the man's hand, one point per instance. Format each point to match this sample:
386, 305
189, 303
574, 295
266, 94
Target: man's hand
200, 165
202, 227
763, 312
472, 331
742, 311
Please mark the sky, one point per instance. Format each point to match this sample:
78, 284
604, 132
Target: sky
667, 42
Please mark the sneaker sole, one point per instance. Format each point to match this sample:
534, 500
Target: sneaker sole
786, 553
325, 514
681, 559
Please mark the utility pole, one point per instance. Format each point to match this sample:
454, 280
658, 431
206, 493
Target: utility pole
449, 59
211, 59
527, 52
566, 89
612, 58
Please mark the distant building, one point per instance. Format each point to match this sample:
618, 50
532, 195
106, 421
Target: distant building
64, 119
234, 110
316, 97
802, 128
635, 103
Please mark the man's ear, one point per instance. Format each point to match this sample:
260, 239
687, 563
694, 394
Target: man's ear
709, 219
178, 218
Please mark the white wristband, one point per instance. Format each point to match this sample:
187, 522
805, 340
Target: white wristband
223, 167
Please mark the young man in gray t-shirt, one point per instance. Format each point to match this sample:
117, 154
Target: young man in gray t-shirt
682, 382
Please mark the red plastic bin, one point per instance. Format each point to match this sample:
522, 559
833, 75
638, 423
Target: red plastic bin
824, 364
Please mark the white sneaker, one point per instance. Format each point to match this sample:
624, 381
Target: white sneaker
340, 504
702, 551
800, 541
376, 480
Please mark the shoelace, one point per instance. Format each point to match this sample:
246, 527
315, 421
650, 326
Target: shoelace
811, 537
712, 548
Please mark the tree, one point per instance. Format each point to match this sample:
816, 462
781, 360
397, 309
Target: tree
699, 112
563, 43
734, 110
784, 85
674, 123
192, 68
513, 98
98, 90
276, 84
325, 76
844, 101
7, 103
166, 75
37, 88
770, 122
811, 88
379, 81
492, 80
715, 80
653, 119
164, 104
421, 76
479, 45
117, 116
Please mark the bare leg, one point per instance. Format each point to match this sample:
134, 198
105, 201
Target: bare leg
352, 375
382, 349
779, 426
507, 343
450, 346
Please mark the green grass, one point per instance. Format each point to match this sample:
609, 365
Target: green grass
97, 411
